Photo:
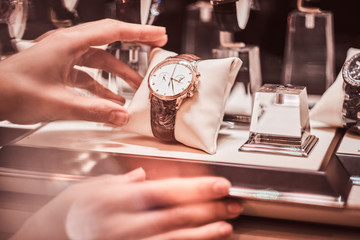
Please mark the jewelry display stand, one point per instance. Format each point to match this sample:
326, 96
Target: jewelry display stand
239, 105
232, 16
309, 52
280, 122
200, 28
135, 56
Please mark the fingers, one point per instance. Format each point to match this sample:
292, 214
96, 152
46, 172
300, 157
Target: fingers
186, 205
84, 81
136, 175
64, 104
96, 110
100, 59
33, 102
170, 192
160, 221
106, 31
189, 215
44, 35
167, 192
213, 231
157, 43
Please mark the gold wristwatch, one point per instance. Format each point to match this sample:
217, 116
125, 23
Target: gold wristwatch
170, 83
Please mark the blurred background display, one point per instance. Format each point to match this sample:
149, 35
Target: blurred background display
266, 28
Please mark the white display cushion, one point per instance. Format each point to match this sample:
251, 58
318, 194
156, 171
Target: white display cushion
329, 108
198, 119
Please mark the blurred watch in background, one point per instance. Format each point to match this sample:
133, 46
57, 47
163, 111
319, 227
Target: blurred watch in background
13, 16
231, 15
133, 54
351, 106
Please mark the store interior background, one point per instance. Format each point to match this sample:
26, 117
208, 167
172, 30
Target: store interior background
266, 28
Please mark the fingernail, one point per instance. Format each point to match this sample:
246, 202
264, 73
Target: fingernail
137, 174
225, 229
118, 118
221, 187
234, 208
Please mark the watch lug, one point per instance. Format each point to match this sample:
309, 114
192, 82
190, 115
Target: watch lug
179, 101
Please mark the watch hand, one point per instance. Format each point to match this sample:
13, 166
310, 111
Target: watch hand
171, 78
172, 84
172, 74
179, 80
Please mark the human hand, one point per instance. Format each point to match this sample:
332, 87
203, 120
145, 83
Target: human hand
34, 84
123, 207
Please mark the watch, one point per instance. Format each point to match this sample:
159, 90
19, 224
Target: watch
351, 86
171, 82
141, 12
14, 13
231, 15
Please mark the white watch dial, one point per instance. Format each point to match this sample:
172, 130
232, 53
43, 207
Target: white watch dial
170, 79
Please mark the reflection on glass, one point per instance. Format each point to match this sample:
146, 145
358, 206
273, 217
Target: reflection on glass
239, 105
200, 28
134, 55
280, 121
63, 13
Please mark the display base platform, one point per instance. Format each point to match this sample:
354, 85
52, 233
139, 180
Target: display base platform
313, 189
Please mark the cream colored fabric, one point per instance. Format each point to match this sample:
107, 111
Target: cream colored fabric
329, 108
199, 118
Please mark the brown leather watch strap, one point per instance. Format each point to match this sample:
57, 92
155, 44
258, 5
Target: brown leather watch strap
163, 115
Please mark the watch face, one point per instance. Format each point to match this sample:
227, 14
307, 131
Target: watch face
170, 79
351, 72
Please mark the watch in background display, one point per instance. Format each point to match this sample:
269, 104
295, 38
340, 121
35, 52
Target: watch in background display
351, 106
231, 15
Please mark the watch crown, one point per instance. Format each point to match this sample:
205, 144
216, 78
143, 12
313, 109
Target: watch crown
196, 84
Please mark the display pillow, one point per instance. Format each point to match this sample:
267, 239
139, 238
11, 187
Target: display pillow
198, 119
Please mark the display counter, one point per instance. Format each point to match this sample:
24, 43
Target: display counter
316, 189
